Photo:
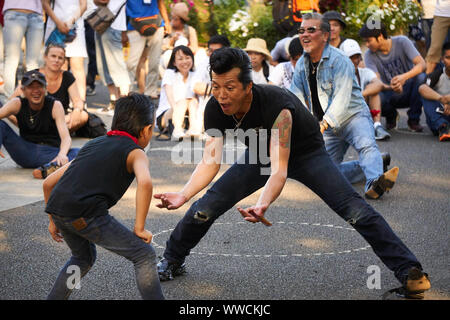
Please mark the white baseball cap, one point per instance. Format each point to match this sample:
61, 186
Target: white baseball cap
350, 47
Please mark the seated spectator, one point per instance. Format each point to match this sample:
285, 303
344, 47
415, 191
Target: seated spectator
180, 29
61, 86
325, 82
177, 97
337, 25
182, 34
260, 58
283, 72
370, 85
201, 82
44, 141
399, 65
435, 94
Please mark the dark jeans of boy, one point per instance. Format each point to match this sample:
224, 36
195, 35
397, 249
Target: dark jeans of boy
110, 234
27, 154
434, 119
317, 172
409, 98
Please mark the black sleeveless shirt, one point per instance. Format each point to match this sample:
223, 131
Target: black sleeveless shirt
38, 126
95, 180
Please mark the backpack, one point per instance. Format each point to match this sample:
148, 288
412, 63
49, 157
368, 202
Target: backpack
93, 128
300, 7
287, 13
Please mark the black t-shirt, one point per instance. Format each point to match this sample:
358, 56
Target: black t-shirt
317, 109
95, 180
62, 94
268, 101
38, 126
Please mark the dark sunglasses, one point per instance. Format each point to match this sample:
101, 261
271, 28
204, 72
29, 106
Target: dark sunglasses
310, 30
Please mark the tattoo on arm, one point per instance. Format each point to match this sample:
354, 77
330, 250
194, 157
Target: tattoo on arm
284, 125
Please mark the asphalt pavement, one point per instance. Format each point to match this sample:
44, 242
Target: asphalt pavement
308, 253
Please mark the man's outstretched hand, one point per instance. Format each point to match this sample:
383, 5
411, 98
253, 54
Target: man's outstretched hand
170, 200
255, 214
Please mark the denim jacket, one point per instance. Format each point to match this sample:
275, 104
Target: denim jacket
337, 87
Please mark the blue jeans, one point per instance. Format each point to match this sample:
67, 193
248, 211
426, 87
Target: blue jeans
108, 233
17, 25
316, 171
27, 154
434, 119
357, 132
409, 98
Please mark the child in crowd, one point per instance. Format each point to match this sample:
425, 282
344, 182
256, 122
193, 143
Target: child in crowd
260, 58
177, 96
79, 195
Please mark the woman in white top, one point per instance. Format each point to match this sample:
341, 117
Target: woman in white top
260, 58
176, 94
64, 15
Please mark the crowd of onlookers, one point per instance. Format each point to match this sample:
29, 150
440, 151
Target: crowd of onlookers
53, 39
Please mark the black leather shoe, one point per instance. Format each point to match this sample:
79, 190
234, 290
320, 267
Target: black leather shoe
168, 270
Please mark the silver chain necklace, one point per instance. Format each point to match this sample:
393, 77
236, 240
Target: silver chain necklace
238, 122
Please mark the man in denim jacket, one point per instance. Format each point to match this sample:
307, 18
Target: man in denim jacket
324, 80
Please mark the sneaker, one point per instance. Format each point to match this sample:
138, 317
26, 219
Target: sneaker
381, 133
444, 133
382, 184
386, 160
414, 126
44, 171
392, 123
168, 270
90, 91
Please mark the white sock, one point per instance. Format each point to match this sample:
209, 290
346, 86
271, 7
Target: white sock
376, 124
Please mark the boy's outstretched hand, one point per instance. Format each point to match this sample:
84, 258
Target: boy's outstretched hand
145, 235
170, 200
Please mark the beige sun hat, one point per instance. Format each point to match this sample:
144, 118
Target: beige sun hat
181, 10
258, 45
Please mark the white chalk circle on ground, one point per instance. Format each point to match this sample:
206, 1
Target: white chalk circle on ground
204, 251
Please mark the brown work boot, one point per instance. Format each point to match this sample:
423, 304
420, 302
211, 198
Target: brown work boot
382, 184
416, 284
43, 171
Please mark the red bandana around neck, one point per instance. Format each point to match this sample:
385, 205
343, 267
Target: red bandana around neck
122, 133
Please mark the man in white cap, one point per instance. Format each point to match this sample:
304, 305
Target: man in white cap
370, 85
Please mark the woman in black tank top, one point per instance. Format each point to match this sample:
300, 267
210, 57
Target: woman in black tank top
61, 85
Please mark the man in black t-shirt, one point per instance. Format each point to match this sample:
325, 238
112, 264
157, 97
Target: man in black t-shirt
296, 150
44, 139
